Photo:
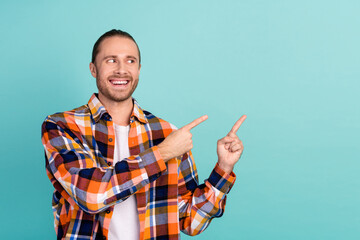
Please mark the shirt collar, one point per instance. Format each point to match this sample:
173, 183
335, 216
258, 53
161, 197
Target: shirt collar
98, 110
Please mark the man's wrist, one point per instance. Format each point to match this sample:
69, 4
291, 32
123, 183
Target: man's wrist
226, 167
164, 153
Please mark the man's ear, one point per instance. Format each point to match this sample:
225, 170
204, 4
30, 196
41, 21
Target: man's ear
93, 69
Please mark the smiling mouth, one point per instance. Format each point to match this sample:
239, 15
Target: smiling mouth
119, 82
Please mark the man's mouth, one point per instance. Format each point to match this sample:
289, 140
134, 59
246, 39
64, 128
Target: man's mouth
119, 82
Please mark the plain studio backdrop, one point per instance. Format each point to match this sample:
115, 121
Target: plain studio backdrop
291, 66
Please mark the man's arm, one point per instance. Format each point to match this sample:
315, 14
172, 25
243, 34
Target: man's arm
72, 167
199, 204
80, 179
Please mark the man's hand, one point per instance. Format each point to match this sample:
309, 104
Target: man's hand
230, 148
179, 141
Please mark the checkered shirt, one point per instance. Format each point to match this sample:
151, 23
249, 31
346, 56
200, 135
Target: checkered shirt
79, 151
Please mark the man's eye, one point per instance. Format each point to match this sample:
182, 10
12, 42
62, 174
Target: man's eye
111, 60
130, 61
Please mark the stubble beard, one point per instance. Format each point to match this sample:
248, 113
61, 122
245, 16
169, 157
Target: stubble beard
113, 96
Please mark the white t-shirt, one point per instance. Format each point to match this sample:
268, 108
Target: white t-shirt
124, 222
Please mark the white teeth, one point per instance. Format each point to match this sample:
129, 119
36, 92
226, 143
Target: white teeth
119, 82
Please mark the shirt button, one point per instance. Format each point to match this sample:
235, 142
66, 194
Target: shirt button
107, 211
110, 139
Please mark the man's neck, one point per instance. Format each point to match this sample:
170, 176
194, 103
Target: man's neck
120, 112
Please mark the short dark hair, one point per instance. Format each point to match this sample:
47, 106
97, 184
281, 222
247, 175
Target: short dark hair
112, 33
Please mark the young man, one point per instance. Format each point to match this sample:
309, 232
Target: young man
120, 172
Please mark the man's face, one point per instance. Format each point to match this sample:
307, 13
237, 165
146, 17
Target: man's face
116, 69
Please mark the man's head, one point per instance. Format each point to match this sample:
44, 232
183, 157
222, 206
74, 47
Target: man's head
116, 66
112, 33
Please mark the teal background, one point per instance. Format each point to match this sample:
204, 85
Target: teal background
291, 66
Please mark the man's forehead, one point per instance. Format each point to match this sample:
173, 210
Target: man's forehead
118, 44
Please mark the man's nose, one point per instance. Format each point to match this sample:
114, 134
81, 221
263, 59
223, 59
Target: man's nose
120, 68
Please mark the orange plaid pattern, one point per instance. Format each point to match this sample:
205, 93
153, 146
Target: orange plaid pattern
79, 151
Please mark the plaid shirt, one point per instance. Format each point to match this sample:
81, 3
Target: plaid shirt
79, 151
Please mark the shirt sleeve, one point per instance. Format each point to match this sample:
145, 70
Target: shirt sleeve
77, 175
199, 204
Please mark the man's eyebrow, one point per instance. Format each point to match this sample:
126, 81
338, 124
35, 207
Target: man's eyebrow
131, 56
114, 56
109, 56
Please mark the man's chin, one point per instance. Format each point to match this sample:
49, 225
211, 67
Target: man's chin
120, 99
108, 97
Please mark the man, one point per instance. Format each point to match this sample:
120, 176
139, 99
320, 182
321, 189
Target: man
119, 172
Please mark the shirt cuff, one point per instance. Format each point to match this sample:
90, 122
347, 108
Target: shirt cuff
153, 162
221, 179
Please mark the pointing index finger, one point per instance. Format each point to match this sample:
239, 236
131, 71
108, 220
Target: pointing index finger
195, 123
237, 125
